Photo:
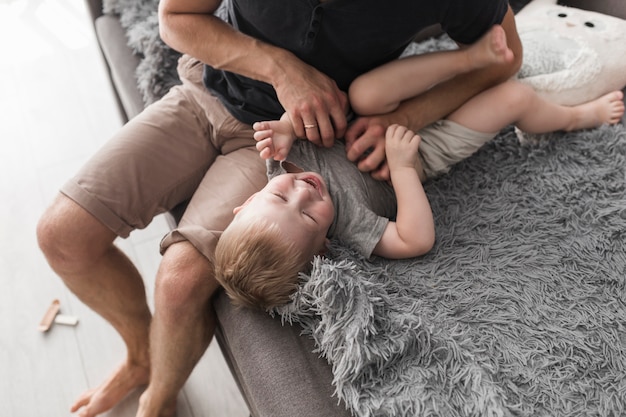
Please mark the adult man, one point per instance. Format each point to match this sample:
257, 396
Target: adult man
199, 145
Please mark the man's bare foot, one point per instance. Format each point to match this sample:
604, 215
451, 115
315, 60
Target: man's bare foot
124, 380
490, 49
607, 109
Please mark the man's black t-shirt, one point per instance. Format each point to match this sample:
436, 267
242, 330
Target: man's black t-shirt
341, 38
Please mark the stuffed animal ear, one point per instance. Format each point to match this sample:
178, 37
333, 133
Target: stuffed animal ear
571, 55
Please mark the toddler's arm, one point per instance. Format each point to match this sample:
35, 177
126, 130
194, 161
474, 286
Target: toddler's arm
413, 232
274, 138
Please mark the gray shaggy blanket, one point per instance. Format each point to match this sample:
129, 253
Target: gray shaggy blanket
519, 310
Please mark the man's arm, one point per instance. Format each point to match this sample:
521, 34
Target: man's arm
309, 96
367, 133
413, 232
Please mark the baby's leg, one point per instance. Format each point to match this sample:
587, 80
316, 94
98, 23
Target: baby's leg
382, 89
606, 109
516, 103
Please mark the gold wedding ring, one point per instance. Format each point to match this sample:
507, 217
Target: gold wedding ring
310, 126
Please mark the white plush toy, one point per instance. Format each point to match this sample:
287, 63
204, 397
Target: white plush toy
571, 55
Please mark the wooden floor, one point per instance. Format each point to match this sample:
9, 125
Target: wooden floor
56, 109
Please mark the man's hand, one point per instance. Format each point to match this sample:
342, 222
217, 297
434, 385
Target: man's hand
311, 99
316, 106
365, 145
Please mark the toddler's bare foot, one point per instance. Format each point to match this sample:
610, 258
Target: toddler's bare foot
124, 379
490, 49
607, 109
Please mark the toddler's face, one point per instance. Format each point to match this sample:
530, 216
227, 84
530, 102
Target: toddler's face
299, 203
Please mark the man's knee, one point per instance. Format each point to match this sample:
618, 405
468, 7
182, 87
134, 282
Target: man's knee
70, 237
185, 278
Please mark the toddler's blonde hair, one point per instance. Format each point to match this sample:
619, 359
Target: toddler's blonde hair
257, 265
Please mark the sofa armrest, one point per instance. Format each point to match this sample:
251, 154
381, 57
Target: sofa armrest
121, 64
95, 9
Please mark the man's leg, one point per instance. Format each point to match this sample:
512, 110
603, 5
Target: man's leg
80, 250
183, 321
156, 161
182, 328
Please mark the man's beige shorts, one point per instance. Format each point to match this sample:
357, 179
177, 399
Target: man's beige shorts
445, 143
185, 146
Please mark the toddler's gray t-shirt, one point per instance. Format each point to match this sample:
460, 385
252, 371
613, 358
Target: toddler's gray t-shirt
363, 205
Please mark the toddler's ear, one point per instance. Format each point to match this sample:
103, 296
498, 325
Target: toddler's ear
324, 249
245, 203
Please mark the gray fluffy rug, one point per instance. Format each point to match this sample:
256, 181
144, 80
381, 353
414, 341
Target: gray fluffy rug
519, 310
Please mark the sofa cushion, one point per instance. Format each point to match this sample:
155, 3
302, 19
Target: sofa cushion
276, 368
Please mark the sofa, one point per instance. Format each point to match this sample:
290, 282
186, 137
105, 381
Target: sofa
277, 370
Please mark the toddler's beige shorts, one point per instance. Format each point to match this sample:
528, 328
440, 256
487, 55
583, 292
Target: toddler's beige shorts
445, 143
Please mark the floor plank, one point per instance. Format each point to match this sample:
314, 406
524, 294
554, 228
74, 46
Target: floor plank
56, 109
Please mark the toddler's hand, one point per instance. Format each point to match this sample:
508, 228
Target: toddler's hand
401, 145
274, 138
